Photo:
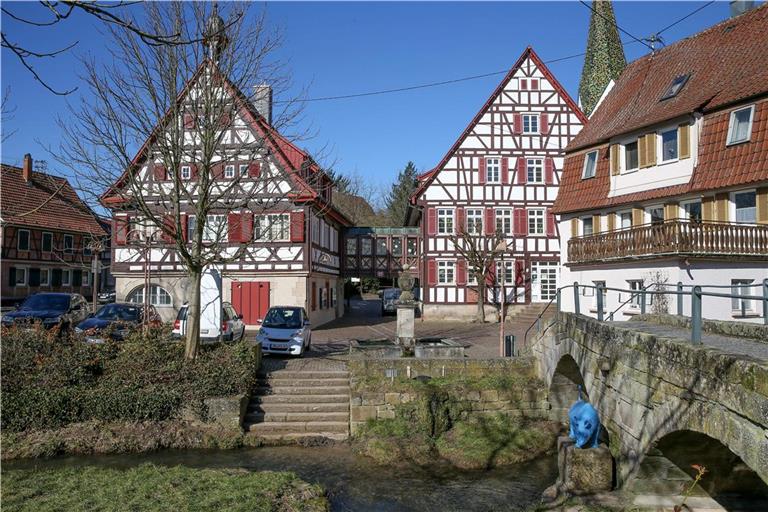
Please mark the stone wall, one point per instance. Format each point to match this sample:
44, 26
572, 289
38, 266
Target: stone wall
646, 387
758, 332
379, 386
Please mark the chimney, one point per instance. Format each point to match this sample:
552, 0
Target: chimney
262, 101
26, 170
740, 7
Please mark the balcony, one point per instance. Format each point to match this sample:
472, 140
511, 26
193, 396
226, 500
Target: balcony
672, 238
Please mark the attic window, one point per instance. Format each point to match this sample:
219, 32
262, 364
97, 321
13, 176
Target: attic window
675, 87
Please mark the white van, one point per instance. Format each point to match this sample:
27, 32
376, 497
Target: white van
231, 327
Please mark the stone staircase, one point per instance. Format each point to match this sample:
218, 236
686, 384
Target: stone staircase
291, 405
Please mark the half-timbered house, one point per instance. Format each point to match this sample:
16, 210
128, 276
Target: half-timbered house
48, 235
502, 174
286, 253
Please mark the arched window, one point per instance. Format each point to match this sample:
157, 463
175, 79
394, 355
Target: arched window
157, 296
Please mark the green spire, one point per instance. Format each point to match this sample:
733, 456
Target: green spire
605, 56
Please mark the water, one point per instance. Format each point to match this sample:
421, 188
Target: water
354, 483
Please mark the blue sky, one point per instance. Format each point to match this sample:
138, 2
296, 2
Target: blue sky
349, 47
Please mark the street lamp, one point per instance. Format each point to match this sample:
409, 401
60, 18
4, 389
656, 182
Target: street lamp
501, 248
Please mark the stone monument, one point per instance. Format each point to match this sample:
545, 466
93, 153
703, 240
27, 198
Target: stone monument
406, 309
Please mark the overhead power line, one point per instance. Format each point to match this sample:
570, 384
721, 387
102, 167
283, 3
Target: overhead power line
585, 4
684, 17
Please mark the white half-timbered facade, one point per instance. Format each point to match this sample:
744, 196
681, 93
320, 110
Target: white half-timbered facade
502, 174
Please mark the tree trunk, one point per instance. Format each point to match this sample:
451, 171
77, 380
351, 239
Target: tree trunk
480, 302
193, 316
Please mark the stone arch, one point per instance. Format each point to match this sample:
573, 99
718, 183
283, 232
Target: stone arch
564, 385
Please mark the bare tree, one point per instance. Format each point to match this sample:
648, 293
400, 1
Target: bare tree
480, 253
206, 150
8, 115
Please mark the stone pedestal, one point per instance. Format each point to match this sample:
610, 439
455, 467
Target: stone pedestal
581, 471
406, 315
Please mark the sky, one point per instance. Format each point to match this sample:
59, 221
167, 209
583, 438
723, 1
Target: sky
337, 48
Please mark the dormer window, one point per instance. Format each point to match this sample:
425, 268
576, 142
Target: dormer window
675, 87
740, 127
590, 165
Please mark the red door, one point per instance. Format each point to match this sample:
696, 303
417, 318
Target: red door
250, 299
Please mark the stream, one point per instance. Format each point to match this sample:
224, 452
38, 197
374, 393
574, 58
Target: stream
353, 482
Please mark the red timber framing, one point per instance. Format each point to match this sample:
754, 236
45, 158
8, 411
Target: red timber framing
502, 172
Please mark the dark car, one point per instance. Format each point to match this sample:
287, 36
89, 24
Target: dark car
50, 310
107, 296
389, 299
117, 320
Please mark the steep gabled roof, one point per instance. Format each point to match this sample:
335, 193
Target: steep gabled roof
426, 178
726, 63
45, 201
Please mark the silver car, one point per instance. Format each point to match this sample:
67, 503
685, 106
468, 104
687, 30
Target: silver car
285, 330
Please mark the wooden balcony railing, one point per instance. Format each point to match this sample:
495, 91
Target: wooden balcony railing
674, 237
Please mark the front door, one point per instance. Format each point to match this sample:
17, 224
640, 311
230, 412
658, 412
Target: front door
543, 280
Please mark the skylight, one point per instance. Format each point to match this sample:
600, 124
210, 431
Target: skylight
675, 87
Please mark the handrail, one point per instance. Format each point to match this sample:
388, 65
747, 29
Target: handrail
631, 296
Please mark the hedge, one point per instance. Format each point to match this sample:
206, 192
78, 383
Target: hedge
49, 382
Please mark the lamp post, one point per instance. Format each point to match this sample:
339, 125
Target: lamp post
501, 248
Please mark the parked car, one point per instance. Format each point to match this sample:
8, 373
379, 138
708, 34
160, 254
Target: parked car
232, 327
285, 330
118, 320
107, 296
50, 310
389, 298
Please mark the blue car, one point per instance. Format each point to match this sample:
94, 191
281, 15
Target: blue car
49, 310
120, 319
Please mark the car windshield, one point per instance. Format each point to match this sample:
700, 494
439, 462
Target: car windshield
392, 294
119, 312
282, 318
44, 302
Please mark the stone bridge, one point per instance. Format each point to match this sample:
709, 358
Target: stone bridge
650, 390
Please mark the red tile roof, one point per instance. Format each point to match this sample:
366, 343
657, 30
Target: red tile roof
727, 63
45, 201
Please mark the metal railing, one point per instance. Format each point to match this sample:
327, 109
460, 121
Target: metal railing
695, 292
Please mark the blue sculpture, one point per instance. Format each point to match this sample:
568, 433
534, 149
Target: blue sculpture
585, 424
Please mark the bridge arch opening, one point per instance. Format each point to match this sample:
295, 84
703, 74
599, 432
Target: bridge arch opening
729, 481
564, 388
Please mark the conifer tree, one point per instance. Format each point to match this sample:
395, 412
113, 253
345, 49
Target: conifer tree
605, 59
396, 203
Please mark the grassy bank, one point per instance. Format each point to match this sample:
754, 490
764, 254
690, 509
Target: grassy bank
156, 488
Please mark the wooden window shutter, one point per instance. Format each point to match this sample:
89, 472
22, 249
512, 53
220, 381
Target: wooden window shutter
761, 199
671, 211
637, 217
505, 170
77, 278
189, 121
233, 227
185, 227
596, 225
549, 171
314, 296
120, 229
246, 224
524, 84
650, 146
534, 84
544, 124
169, 229
708, 208
225, 120
482, 171
461, 272
641, 153
254, 169
518, 123
56, 277
574, 227
431, 221
459, 227
12, 276
519, 272
431, 272
193, 171
490, 275
551, 225
522, 170
684, 138
160, 173
611, 218
490, 221
721, 204
34, 277
297, 226
520, 218
614, 151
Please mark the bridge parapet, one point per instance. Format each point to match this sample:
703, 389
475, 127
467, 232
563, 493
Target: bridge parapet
646, 386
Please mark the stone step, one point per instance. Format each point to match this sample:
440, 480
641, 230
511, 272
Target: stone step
278, 408
302, 390
305, 374
300, 437
296, 427
291, 417
313, 383
302, 399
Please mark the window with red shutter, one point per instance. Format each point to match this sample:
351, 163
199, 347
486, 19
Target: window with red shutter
234, 229
518, 123
120, 228
549, 171
520, 221
534, 84
505, 170
483, 171
246, 225
431, 221
544, 124
169, 229
490, 275
461, 272
159, 172
524, 84
254, 169
459, 220
519, 272
522, 170
490, 221
189, 121
185, 227
431, 272
297, 226
551, 227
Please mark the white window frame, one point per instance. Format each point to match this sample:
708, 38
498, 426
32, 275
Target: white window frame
505, 217
749, 306
47, 281
278, 228
86, 278
66, 277
156, 297
471, 279
626, 169
42, 242
619, 219
508, 277
733, 205
531, 118
539, 215
25, 281
210, 231
635, 285
648, 215
584, 221
537, 166
474, 220
731, 125
660, 145
71, 248
29, 240
229, 171
493, 169
584, 174
684, 211
443, 270
447, 226
186, 172
243, 168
